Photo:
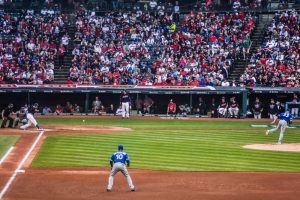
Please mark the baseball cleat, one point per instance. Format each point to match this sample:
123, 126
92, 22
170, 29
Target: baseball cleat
267, 132
278, 142
132, 190
108, 190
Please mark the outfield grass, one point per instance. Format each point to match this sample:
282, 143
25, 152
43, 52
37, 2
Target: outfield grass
6, 141
171, 145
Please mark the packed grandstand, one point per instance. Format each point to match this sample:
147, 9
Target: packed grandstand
140, 47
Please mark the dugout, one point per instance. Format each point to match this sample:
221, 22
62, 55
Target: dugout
51, 95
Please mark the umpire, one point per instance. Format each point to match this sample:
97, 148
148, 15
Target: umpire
6, 116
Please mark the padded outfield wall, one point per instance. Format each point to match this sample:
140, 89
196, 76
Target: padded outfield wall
51, 95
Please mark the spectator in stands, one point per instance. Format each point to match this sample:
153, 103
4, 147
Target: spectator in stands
176, 11
152, 5
61, 55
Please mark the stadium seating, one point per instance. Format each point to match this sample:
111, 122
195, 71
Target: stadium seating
139, 48
276, 62
135, 48
28, 46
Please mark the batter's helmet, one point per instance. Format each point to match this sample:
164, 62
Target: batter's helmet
10, 105
120, 147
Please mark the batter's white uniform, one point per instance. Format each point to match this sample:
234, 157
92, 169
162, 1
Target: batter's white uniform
30, 121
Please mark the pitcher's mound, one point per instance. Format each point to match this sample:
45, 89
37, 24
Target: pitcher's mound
293, 147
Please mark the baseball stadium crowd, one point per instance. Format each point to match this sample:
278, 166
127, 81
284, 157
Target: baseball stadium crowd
276, 63
148, 48
136, 48
29, 44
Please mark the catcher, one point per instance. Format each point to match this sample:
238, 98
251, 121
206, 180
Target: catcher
6, 116
20, 117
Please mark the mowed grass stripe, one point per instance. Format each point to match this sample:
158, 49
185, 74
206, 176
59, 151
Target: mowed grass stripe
228, 158
203, 145
176, 149
226, 152
211, 138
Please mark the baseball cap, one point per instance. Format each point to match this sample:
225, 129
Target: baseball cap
120, 147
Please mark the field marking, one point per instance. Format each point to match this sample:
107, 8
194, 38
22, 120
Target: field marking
19, 168
6, 154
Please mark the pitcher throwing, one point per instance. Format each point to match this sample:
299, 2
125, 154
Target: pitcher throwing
117, 163
284, 119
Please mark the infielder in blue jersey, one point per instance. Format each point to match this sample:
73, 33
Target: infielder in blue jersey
118, 163
285, 118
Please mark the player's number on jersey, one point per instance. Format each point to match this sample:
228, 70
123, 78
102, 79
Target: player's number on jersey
119, 156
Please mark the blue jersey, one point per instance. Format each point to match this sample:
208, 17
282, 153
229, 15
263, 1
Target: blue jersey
286, 116
119, 157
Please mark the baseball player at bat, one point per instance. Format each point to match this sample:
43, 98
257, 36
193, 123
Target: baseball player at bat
118, 163
29, 112
284, 119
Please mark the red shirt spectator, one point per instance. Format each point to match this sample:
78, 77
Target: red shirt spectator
171, 107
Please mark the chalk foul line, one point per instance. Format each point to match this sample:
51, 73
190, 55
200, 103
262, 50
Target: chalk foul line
19, 168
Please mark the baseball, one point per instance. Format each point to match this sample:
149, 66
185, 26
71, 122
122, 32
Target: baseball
83, 120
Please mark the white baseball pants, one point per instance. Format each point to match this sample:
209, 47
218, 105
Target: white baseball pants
282, 124
119, 167
30, 121
233, 111
222, 111
295, 111
272, 116
125, 109
257, 116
